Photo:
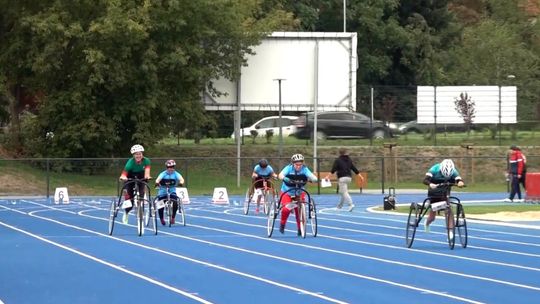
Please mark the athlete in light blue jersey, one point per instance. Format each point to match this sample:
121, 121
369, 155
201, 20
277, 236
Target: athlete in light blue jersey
169, 178
295, 171
262, 171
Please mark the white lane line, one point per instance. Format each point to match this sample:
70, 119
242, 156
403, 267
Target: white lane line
268, 281
422, 290
401, 237
364, 256
390, 246
98, 260
436, 225
485, 222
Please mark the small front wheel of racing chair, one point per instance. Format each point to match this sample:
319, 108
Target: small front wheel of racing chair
302, 216
273, 211
168, 212
269, 199
415, 215
146, 214
459, 221
450, 227
150, 214
247, 201
312, 217
181, 216
113, 212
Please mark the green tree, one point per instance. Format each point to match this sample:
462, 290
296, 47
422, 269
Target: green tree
112, 70
503, 42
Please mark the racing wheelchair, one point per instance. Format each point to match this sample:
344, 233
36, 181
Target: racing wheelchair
145, 209
168, 202
262, 190
454, 215
307, 210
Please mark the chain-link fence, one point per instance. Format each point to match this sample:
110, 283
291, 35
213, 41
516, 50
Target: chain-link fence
40, 177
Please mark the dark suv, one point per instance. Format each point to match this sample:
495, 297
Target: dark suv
340, 125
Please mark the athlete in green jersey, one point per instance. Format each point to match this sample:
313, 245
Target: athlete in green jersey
136, 167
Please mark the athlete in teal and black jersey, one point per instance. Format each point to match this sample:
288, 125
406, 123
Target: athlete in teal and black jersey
136, 167
438, 174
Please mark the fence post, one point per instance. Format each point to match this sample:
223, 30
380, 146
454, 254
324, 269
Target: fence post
382, 174
48, 180
318, 175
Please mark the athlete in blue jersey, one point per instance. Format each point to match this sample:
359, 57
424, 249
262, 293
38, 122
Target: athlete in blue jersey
172, 178
262, 171
443, 172
295, 171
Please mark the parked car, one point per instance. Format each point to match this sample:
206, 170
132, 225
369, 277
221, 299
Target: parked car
270, 123
414, 127
340, 125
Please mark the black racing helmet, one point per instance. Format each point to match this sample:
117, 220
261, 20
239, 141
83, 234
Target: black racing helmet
263, 163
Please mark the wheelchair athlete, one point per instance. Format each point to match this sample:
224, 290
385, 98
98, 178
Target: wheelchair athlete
172, 178
442, 172
296, 170
261, 171
137, 167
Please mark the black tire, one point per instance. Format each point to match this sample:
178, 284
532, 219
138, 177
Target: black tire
271, 219
181, 213
247, 202
312, 217
153, 216
412, 224
461, 225
450, 231
168, 210
113, 211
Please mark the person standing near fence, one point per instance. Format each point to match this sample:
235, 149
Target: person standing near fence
515, 170
342, 167
524, 171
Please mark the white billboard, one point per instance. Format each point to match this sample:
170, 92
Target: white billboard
492, 104
315, 68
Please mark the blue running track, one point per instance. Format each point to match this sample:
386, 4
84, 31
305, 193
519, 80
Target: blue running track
62, 254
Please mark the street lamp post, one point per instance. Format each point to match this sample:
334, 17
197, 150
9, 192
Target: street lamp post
509, 78
344, 16
48, 137
280, 122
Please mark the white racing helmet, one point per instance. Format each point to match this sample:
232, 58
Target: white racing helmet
297, 158
447, 168
137, 148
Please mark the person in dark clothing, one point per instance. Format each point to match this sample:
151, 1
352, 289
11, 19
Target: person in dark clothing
524, 171
343, 166
516, 172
